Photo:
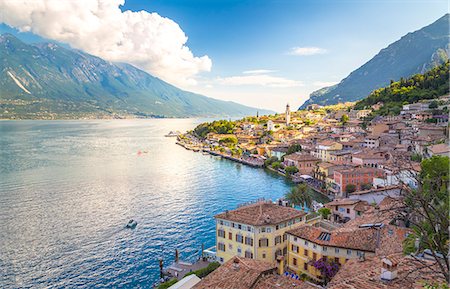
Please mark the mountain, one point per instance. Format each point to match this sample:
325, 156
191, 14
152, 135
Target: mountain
414, 53
47, 80
432, 84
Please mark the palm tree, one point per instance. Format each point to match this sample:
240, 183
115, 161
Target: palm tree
299, 195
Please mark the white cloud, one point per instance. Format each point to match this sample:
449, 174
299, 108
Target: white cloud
324, 83
259, 80
306, 51
258, 71
147, 40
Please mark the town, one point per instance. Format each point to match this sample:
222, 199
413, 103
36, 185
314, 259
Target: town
367, 165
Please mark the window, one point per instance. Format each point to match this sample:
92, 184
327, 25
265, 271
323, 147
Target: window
314, 246
336, 250
305, 252
336, 260
268, 230
277, 228
277, 240
348, 211
294, 261
349, 252
263, 230
295, 239
221, 222
249, 228
305, 266
284, 237
284, 250
239, 238
294, 248
249, 241
230, 246
306, 243
325, 248
248, 254
221, 246
230, 235
359, 253
314, 256
239, 226
264, 255
263, 242
239, 250
221, 233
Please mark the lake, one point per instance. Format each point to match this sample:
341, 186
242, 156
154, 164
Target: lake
67, 189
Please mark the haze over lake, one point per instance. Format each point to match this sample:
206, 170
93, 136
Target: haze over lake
67, 189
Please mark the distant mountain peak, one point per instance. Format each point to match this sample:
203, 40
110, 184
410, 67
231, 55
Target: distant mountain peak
415, 52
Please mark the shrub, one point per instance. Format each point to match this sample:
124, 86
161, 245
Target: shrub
202, 273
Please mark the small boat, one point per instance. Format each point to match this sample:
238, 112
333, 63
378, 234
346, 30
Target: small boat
131, 224
173, 134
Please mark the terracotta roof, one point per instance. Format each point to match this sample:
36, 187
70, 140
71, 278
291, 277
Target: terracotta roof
411, 273
236, 273
272, 281
363, 239
365, 155
379, 190
361, 207
299, 157
439, 148
357, 170
261, 213
343, 202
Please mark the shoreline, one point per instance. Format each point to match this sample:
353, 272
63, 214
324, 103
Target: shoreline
242, 161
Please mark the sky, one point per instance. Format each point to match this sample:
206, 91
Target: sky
262, 53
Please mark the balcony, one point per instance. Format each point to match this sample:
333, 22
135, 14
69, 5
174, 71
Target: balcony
210, 254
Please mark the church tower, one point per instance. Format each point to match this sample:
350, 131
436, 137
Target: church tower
288, 115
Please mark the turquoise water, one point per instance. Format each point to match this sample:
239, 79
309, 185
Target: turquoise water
67, 188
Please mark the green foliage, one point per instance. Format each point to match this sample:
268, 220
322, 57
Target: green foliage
416, 157
344, 119
299, 195
291, 170
217, 126
167, 284
366, 187
431, 203
350, 188
429, 85
229, 141
434, 104
276, 165
324, 212
202, 273
270, 160
294, 148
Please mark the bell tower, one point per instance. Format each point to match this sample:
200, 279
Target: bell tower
288, 115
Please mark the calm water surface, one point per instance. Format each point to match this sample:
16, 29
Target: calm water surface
67, 188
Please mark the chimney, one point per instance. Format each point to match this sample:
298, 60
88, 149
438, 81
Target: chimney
389, 269
280, 265
236, 263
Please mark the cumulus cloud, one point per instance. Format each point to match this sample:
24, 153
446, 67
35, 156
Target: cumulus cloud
306, 51
258, 71
146, 40
260, 80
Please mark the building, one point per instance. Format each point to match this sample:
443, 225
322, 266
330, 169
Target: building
305, 163
278, 151
324, 148
363, 113
343, 210
270, 125
377, 195
245, 273
355, 176
255, 231
288, 115
394, 271
442, 149
366, 159
372, 141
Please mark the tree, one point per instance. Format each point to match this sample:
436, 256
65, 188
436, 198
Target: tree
299, 195
294, 148
276, 165
344, 119
327, 268
366, 187
430, 206
291, 170
433, 105
350, 188
324, 212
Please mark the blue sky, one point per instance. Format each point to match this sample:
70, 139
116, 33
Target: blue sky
250, 44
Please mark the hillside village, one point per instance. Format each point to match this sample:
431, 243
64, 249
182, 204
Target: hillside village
363, 162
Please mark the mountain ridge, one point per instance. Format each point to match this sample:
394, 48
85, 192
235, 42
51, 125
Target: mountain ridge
415, 52
47, 80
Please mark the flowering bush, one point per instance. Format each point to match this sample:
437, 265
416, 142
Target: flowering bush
326, 267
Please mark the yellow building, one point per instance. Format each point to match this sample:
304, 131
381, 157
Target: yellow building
325, 149
255, 231
309, 243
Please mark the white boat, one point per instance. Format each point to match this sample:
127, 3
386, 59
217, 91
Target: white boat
131, 224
